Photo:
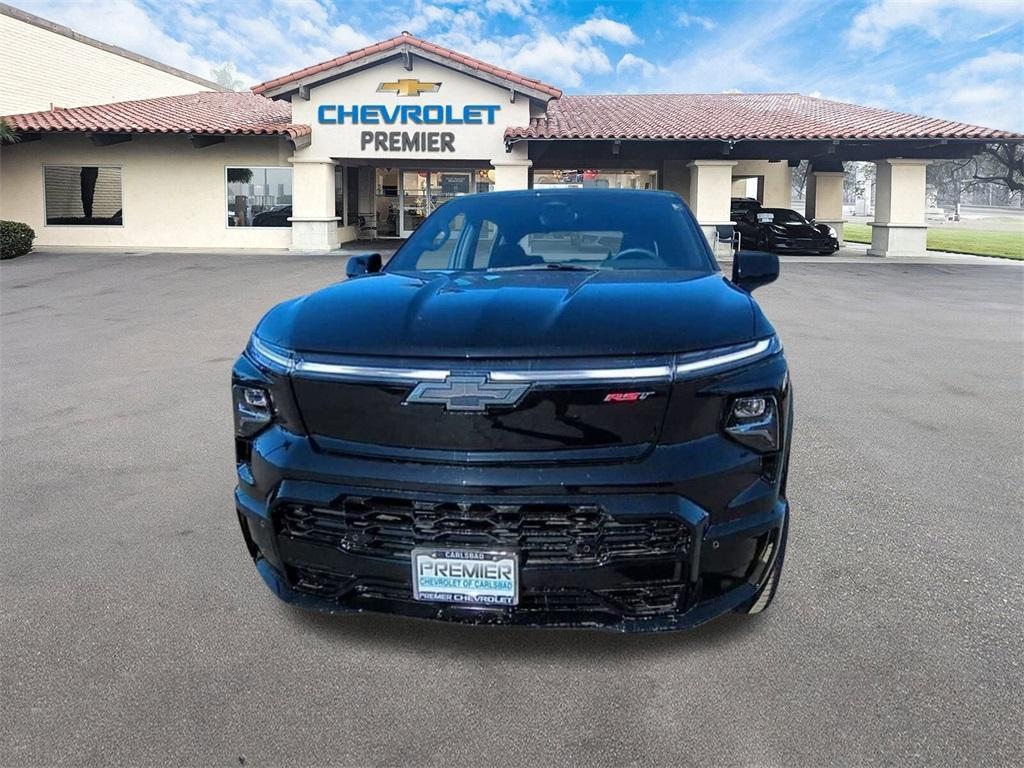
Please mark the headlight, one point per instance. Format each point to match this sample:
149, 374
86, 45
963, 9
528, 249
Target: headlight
270, 356
832, 233
253, 410
724, 358
754, 421
777, 229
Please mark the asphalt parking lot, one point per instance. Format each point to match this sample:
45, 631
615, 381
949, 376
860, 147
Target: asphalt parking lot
135, 630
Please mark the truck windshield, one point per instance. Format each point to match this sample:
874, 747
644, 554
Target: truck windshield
574, 229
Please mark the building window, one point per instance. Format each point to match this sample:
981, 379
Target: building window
259, 197
83, 195
594, 177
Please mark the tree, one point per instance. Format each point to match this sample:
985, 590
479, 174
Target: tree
239, 175
798, 178
1001, 164
997, 165
7, 133
224, 76
950, 178
858, 175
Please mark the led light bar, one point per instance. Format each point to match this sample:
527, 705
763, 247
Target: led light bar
370, 373
278, 360
270, 357
759, 349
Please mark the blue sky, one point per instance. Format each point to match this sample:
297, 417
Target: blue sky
959, 59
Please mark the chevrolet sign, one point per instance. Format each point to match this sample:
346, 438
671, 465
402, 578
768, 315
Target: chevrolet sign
405, 114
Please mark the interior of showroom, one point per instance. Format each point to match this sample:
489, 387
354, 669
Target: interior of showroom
368, 144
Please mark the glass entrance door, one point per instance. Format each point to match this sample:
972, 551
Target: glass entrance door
415, 200
423, 191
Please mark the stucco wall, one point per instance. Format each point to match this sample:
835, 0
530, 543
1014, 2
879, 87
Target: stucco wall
42, 68
776, 180
173, 195
675, 177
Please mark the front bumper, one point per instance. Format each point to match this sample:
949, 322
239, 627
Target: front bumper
802, 245
709, 564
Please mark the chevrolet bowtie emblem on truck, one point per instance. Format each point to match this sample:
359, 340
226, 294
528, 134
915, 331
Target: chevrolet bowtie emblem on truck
467, 393
408, 87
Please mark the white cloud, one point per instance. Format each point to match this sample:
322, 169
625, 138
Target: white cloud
629, 64
561, 58
604, 29
691, 20
513, 8
557, 60
312, 10
346, 38
735, 58
940, 19
127, 24
267, 38
987, 90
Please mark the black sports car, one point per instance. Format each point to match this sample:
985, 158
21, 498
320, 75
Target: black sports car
273, 217
549, 408
783, 230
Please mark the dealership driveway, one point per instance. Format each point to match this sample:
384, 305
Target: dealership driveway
134, 629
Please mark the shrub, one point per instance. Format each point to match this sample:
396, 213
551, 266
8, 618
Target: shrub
15, 239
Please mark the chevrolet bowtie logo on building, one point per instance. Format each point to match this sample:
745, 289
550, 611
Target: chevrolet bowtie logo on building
410, 87
467, 393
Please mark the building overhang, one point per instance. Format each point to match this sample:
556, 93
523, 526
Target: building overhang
616, 153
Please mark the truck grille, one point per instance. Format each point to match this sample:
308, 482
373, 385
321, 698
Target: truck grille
391, 527
641, 600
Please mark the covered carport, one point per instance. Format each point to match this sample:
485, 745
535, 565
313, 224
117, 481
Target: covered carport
705, 147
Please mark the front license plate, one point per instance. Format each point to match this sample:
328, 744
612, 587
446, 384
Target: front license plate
467, 576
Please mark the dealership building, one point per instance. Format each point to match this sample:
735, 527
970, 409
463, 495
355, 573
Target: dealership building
366, 145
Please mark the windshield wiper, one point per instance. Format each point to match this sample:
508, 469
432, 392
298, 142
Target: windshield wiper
537, 267
568, 267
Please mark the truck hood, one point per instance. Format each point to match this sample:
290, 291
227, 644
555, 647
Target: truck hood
523, 313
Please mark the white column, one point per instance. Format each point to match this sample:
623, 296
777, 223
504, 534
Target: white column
710, 190
314, 225
825, 199
899, 229
512, 170
778, 185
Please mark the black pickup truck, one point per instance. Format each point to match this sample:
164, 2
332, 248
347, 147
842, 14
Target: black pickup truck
550, 408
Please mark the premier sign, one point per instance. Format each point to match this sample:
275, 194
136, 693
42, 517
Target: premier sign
403, 141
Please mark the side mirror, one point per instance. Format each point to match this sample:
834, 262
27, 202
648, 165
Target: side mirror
363, 264
752, 269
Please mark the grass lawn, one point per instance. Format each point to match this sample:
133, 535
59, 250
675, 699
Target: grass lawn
1009, 245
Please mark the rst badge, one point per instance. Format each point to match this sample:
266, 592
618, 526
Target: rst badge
626, 397
468, 393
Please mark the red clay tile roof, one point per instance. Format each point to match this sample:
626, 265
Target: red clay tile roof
758, 116
694, 117
415, 42
197, 113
